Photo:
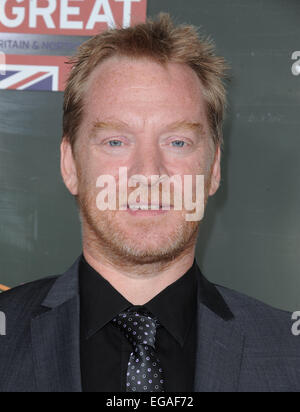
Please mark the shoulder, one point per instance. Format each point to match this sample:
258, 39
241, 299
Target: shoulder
264, 327
251, 308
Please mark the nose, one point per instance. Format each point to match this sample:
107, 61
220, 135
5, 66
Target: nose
148, 161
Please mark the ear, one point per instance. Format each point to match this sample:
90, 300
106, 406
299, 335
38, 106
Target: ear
216, 173
68, 167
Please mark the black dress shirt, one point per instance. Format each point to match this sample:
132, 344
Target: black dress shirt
104, 348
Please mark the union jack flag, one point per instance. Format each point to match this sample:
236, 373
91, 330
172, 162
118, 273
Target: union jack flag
43, 73
19, 77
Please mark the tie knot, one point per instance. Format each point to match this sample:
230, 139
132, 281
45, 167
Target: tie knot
139, 327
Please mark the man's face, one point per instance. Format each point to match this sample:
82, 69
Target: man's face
150, 119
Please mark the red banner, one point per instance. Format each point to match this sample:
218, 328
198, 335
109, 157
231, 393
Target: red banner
69, 17
29, 27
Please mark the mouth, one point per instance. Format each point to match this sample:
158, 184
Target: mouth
148, 210
139, 206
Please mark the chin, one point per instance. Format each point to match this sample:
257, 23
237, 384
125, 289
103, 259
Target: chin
147, 255
153, 247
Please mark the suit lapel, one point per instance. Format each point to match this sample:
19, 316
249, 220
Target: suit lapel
56, 337
220, 343
219, 354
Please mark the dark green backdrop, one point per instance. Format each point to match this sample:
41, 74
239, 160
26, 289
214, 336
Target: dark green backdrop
250, 238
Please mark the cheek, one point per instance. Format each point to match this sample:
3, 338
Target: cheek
201, 164
91, 167
88, 174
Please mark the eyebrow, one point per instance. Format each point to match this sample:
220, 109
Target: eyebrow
119, 125
184, 125
116, 125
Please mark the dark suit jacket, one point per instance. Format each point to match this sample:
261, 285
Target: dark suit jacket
243, 345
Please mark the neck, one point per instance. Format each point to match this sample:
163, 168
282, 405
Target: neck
138, 283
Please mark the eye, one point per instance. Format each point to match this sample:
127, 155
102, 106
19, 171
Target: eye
115, 143
179, 143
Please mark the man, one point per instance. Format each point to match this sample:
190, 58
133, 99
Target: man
134, 313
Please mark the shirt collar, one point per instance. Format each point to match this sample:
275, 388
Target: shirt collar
175, 306
100, 302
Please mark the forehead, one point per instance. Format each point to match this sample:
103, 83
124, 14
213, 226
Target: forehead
144, 89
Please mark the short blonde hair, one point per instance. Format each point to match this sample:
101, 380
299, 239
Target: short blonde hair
162, 41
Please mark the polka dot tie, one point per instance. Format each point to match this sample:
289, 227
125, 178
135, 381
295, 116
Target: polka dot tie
144, 373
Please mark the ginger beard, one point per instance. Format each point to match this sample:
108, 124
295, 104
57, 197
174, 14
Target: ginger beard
135, 240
